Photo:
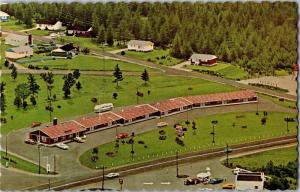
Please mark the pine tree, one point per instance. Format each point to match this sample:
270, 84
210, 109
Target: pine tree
76, 73
14, 72
2, 98
95, 22
101, 35
175, 51
78, 86
109, 36
33, 87
146, 31
28, 17
145, 76
22, 92
118, 75
69, 81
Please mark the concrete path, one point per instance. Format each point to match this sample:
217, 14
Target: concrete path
117, 51
25, 30
180, 66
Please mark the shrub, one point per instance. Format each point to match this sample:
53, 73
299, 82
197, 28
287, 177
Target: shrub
145, 146
190, 88
179, 141
141, 142
122, 52
94, 100
281, 99
160, 62
53, 58
117, 145
157, 58
163, 57
45, 67
37, 68
162, 132
184, 129
58, 106
30, 66
149, 60
115, 95
3, 120
162, 137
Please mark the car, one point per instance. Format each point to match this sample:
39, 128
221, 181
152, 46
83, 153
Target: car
35, 124
192, 181
228, 186
215, 180
79, 139
112, 175
30, 141
162, 124
62, 146
122, 135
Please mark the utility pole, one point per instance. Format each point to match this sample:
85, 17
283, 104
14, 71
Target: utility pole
54, 166
177, 164
102, 188
137, 95
257, 107
39, 152
227, 151
214, 122
49, 184
6, 145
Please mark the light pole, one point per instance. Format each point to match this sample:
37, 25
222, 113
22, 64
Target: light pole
132, 142
102, 187
6, 145
177, 164
39, 153
227, 151
287, 119
214, 122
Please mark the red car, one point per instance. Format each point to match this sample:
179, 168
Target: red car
121, 135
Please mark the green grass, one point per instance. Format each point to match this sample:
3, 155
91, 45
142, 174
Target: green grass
285, 103
84, 62
161, 87
224, 133
227, 70
39, 32
278, 156
87, 42
154, 56
281, 72
12, 25
3, 48
20, 163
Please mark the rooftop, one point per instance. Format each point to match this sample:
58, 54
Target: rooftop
203, 57
100, 119
62, 129
140, 43
171, 104
256, 176
137, 111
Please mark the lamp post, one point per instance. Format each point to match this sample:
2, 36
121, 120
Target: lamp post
6, 145
39, 153
214, 122
177, 164
102, 187
287, 119
227, 151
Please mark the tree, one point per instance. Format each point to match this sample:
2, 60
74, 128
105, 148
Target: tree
6, 63
2, 97
69, 81
109, 36
33, 100
145, 76
78, 86
118, 75
18, 102
175, 51
33, 87
49, 80
28, 17
115, 95
76, 73
85, 51
22, 92
194, 127
14, 72
101, 35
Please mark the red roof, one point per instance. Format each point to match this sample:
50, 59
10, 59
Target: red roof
100, 119
137, 111
62, 129
171, 104
221, 96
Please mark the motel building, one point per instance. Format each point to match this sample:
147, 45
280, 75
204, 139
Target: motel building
66, 131
249, 181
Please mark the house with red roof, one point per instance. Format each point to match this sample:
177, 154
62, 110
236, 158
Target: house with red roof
172, 106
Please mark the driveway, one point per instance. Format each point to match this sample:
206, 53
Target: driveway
180, 66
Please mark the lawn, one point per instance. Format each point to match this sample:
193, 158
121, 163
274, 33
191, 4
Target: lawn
12, 25
87, 42
284, 103
21, 164
278, 156
281, 72
3, 48
84, 62
227, 70
158, 56
39, 32
161, 87
225, 132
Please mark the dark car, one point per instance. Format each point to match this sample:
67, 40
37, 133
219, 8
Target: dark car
192, 181
215, 180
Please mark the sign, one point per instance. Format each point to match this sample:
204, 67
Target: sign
214, 122
121, 181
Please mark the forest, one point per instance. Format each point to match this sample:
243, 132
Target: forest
259, 37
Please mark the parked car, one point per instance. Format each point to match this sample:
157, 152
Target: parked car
192, 181
112, 175
35, 124
122, 135
30, 141
228, 186
215, 180
62, 146
79, 139
162, 124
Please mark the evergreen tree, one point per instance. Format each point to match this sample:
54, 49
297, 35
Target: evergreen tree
146, 31
14, 72
33, 87
109, 36
28, 17
101, 35
175, 51
17, 102
78, 86
118, 75
2, 97
145, 76
76, 73
95, 22
69, 81
22, 92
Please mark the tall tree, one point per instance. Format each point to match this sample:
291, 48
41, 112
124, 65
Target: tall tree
2, 97
118, 75
101, 35
28, 17
145, 76
78, 86
109, 36
14, 72
22, 92
76, 73
49, 80
69, 81
33, 87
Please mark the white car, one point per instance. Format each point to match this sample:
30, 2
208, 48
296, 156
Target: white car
79, 139
112, 175
62, 146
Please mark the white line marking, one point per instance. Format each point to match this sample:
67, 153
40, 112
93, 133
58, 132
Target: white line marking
165, 183
151, 183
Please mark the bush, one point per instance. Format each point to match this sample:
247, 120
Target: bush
122, 52
53, 58
157, 58
37, 67
281, 99
149, 60
94, 100
162, 137
145, 146
179, 141
3, 120
162, 132
163, 57
58, 106
141, 142
184, 129
30, 66
45, 67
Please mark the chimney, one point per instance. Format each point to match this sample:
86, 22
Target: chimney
29, 39
54, 121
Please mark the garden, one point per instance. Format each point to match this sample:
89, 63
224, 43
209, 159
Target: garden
231, 128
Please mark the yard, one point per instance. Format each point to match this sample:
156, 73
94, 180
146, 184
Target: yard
12, 25
161, 87
3, 48
276, 100
84, 62
228, 130
158, 56
227, 70
18, 163
39, 32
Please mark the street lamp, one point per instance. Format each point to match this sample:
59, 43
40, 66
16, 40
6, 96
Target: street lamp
214, 122
39, 153
132, 142
227, 151
177, 164
102, 187
287, 119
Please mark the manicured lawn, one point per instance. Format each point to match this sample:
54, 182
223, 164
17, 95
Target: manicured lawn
39, 32
84, 62
3, 48
281, 72
227, 70
12, 25
86, 42
278, 156
284, 103
225, 132
161, 87
18, 163
158, 56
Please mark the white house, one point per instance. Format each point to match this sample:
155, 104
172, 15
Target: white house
249, 181
203, 59
137, 45
18, 52
18, 40
49, 25
4, 16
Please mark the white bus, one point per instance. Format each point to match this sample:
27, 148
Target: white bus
103, 107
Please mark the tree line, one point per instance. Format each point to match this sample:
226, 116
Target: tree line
259, 37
